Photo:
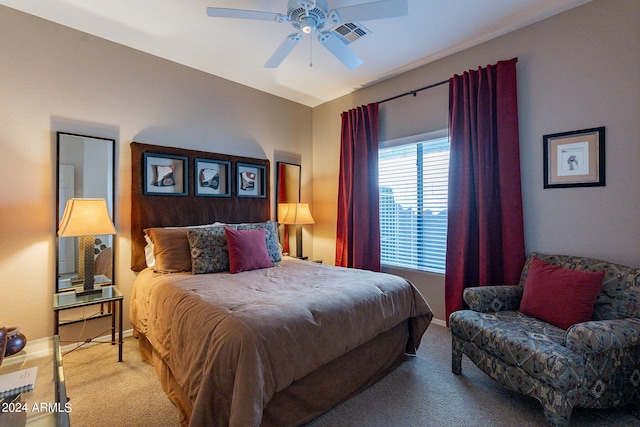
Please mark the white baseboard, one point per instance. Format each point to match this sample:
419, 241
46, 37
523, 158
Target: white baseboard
439, 322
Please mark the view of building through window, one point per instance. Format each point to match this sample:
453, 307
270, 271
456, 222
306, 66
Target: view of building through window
413, 182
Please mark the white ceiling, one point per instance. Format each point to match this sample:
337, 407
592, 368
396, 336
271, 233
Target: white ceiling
181, 31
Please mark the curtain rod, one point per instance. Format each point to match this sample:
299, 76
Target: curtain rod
414, 92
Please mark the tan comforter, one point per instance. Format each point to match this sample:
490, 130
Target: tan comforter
233, 340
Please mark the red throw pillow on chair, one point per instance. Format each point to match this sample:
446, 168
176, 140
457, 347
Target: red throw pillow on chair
560, 296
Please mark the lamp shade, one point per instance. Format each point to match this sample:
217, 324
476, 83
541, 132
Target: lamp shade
296, 213
85, 217
283, 208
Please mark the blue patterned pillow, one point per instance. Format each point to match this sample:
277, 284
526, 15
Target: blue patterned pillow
271, 232
209, 252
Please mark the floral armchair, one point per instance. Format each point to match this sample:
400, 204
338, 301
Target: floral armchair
594, 364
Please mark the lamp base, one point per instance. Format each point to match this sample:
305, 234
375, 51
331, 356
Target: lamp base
299, 242
88, 292
85, 266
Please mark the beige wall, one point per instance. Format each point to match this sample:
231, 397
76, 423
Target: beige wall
576, 70
54, 78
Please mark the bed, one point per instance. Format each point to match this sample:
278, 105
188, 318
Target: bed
273, 346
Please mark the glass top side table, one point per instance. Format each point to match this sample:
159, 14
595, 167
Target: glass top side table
46, 404
110, 295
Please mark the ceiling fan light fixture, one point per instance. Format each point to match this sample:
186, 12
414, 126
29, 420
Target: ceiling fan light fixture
308, 25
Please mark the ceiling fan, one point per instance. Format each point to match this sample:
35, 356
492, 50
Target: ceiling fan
309, 16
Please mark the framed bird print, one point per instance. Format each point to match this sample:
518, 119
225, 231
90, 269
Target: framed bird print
574, 159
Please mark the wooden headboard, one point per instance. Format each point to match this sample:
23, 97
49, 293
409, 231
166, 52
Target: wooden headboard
169, 210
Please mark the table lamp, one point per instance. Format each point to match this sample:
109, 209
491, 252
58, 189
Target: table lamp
86, 218
297, 214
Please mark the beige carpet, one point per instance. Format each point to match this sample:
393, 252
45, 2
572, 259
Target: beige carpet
103, 392
421, 392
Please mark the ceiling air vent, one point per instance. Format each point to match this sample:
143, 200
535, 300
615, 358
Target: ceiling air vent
350, 32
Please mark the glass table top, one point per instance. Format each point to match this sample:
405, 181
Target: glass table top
73, 299
46, 404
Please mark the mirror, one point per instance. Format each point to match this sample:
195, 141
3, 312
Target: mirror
85, 169
287, 191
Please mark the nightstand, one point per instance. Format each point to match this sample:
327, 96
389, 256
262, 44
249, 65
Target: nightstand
110, 296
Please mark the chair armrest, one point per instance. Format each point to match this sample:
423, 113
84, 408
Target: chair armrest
486, 299
603, 335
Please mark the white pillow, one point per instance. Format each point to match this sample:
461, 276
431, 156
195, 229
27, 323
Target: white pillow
148, 252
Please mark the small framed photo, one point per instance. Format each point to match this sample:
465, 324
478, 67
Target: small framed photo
165, 175
213, 178
251, 180
574, 159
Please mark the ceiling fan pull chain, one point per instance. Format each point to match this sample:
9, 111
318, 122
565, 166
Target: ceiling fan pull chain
310, 52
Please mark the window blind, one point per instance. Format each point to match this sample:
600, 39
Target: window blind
413, 182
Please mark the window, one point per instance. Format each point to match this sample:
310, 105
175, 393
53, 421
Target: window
413, 182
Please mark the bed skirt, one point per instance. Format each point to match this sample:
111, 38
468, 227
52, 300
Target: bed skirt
316, 393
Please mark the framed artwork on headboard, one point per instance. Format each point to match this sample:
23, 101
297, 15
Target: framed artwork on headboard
165, 210
165, 175
213, 178
251, 180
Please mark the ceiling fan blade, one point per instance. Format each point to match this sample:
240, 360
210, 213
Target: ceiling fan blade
220, 12
369, 11
339, 50
285, 48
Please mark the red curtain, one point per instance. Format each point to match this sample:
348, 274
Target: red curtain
358, 228
485, 237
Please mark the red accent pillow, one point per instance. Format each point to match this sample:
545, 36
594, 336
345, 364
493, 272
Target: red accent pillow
247, 249
560, 296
